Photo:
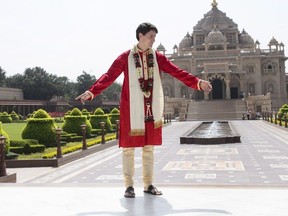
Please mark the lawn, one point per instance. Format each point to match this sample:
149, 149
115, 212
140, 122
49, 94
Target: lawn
14, 130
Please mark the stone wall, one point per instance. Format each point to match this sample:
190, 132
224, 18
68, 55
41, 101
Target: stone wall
177, 107
263, 101
11, 94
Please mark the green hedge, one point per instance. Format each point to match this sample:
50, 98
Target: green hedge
22, 143
98, 132
86, 113
7, 141
283, 111
28, 149
5, 118
42, 130
114, 117
41, 127
96, 119
14, 116
73, 122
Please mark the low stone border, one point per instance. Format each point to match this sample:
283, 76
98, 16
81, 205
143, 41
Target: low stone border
8, 179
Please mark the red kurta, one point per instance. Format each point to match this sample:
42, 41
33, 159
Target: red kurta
154, 137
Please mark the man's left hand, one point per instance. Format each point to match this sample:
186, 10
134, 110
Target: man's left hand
206, 86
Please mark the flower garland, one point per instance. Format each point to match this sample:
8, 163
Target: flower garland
145, 85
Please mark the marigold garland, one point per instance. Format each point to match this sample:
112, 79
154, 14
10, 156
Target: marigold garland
146, 85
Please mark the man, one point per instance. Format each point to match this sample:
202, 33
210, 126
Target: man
142, 103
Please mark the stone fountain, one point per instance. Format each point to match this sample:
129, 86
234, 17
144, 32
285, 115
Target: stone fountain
216, 132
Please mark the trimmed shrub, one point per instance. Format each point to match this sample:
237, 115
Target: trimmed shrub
96, 131
7, 141
17, 143
96, 119
68, 112
5, 118
86, 113
98, 111
115, 111
40, 127
100, 116
11, 156
114, 115
30, 115
28, 149
72, 123
283, 111
20, 117
22, 143
14, 116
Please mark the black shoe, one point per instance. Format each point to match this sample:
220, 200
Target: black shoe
129, 193
153, 190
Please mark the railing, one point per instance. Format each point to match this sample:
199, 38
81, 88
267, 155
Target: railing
272, 117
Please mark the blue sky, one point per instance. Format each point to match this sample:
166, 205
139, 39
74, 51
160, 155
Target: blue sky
66, 37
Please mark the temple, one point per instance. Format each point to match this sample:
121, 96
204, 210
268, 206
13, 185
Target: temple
231, 60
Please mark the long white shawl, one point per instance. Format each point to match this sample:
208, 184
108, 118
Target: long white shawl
137, 98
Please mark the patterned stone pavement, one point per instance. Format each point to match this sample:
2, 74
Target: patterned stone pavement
248, 178
261, 159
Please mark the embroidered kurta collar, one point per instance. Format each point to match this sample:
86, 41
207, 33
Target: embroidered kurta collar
141, 51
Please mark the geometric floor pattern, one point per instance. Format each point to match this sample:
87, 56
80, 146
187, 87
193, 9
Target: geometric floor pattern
248, 178
260, 159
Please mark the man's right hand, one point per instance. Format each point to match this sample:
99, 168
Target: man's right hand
83, 97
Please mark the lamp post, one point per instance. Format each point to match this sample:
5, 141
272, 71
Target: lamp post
58, 133
102, 130
2, 156
84, 144
117, 129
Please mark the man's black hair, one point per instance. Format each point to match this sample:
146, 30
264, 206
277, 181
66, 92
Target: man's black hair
143, 28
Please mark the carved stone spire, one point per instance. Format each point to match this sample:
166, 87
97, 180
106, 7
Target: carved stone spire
214, 3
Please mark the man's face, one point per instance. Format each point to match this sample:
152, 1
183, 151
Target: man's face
148, 39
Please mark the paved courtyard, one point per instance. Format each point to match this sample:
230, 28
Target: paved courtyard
247, 178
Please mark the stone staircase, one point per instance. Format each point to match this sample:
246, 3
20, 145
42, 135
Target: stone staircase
216, 110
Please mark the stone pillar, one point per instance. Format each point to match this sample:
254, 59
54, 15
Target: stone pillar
206, 96
228, 93
183, 111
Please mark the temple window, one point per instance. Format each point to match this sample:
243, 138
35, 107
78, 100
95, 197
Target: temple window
200, 39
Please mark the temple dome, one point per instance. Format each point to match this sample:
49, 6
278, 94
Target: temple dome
273, 41
215, 37
161, 47
245, 38
186, 42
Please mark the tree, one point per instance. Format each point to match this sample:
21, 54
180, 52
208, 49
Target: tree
15, 81
112, 93
38, 84
84, 82
2, 77
70, 91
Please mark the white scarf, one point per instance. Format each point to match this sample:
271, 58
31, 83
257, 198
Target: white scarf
137, 98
